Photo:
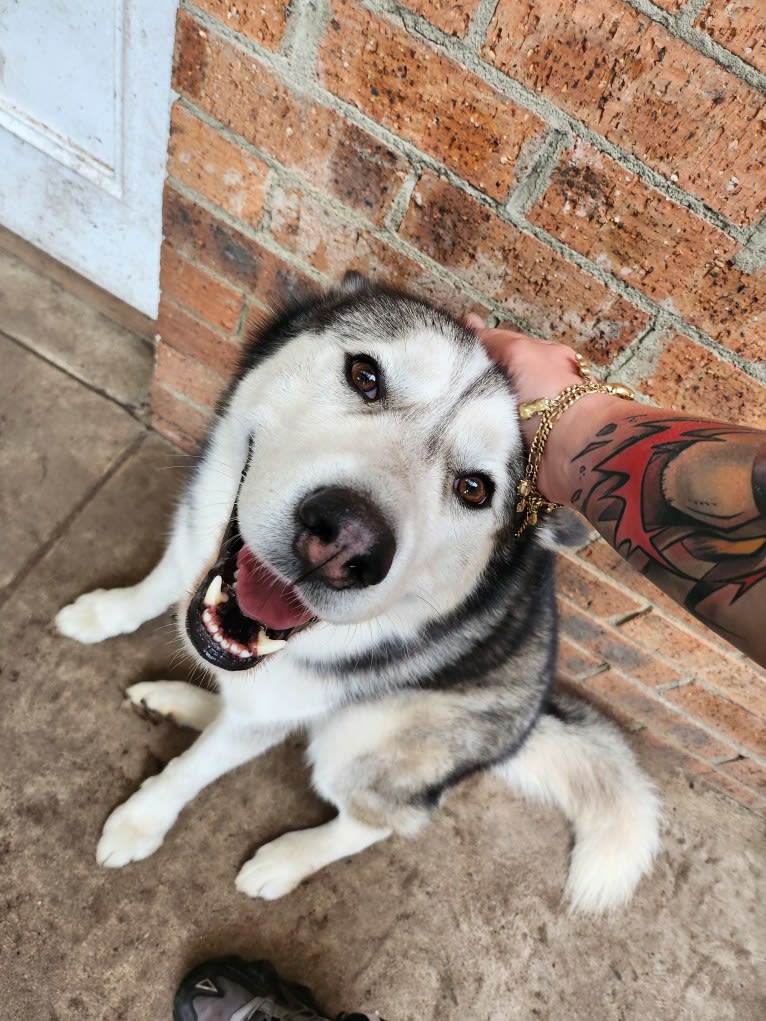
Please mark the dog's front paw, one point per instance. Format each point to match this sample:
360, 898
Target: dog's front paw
100, 614
181, 703
277, 868
132, 832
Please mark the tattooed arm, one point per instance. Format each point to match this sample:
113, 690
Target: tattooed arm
683, 499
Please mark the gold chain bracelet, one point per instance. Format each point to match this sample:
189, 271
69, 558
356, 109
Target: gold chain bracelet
531, 503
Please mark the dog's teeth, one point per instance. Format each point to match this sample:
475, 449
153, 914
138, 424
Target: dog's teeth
264, 646
214, 595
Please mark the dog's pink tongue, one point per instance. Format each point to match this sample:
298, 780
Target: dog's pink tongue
264, 597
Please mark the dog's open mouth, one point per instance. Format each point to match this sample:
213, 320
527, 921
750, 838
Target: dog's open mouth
242, 611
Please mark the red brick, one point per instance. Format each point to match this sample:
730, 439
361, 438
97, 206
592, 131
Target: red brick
191, 55
190, 286
177, 418
294, 129
606, 559
611, 709
574, 663
173, 434
193, 338
615, 648
629, 79
740, 26
689, 651
436, 104
711, 659
747, 772
707, 775
668, 757
453, 16
610, 215
713, 777
673, 728
591, 592
198, 234
690, 378
740, 682
734, 791
188, 377
555, 298
264, 22
725, 717
218, 169
332, 245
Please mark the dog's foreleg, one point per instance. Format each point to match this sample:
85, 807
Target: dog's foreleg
278, 867
580, 762
137, 828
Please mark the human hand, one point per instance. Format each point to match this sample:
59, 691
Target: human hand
537, 368
543, 368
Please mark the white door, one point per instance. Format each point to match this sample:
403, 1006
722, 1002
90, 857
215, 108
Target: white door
84, 112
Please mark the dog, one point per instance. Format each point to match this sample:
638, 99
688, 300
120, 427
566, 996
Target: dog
345, 562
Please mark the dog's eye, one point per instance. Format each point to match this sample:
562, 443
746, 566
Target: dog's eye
474, 490
364, 375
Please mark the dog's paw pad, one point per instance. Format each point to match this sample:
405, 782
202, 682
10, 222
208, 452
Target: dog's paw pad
129, 835
272, 873
97, 615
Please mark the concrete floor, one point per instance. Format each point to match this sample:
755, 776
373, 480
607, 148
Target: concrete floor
464, 922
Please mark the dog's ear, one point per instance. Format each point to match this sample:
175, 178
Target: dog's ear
562, 529
353, 282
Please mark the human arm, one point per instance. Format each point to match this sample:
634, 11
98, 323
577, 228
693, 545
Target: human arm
682, 498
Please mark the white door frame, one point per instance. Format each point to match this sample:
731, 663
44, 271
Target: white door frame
93, 203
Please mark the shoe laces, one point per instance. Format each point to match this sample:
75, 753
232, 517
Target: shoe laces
265, 1009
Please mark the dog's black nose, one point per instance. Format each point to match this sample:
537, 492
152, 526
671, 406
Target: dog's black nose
343, 539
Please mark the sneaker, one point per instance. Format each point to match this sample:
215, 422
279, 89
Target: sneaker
232, 989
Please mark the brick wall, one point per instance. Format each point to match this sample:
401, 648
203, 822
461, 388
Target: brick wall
589, 170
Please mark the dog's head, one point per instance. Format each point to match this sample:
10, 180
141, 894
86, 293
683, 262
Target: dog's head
384, 454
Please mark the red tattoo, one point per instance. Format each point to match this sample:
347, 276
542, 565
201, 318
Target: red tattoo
683, 497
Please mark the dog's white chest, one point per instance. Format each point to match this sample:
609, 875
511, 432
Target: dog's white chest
276, 692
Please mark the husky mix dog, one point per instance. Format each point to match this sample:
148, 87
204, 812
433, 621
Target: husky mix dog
345, 562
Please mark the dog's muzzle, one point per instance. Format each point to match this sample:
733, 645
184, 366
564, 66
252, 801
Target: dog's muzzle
343, 540
241, 611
